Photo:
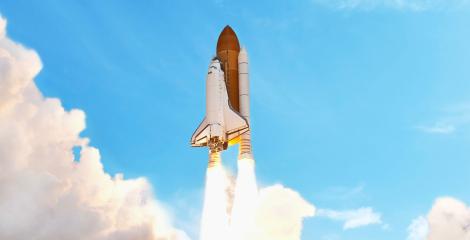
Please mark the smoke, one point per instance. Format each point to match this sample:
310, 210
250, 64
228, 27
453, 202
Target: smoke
245, 200
215, 215
44, 192
272, 213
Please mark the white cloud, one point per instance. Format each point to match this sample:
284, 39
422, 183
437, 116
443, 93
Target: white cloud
408, 5
45, 192
352, 218
418, 229
280, 213
449, 218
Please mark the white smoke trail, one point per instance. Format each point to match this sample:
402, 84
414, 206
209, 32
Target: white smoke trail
245, 201
215, 217
273, 213
46, 194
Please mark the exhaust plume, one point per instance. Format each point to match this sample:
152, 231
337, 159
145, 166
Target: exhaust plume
273, 213
215, 216
245, 201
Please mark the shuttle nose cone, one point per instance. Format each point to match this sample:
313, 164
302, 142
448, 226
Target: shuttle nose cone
215, 64
228, 40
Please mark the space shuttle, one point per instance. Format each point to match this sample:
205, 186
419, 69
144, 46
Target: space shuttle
226, 122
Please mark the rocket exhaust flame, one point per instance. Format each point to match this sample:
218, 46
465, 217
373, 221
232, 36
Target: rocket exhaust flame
214, 159
215, 219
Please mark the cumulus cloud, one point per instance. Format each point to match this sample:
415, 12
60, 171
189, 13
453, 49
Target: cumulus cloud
407, 5
352, 218
418, 229
44, 191
280, 213
449, 218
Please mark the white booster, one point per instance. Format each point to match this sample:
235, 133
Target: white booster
245, 151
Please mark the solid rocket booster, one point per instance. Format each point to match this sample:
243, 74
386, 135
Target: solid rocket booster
244, 100
227, 100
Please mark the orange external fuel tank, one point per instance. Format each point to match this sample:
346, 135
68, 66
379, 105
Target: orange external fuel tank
228, 49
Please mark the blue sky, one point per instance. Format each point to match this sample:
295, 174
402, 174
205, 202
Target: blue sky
354, 103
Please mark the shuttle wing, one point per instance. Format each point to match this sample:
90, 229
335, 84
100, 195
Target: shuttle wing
201, 135
235, 124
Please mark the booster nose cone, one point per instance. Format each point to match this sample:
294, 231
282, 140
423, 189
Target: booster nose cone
228, 40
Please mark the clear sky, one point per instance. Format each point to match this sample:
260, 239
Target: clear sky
354, 103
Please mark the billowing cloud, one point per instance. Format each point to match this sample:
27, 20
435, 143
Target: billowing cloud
44, 191
352, 218
280, 214
449, 218
418, 229
407, 5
